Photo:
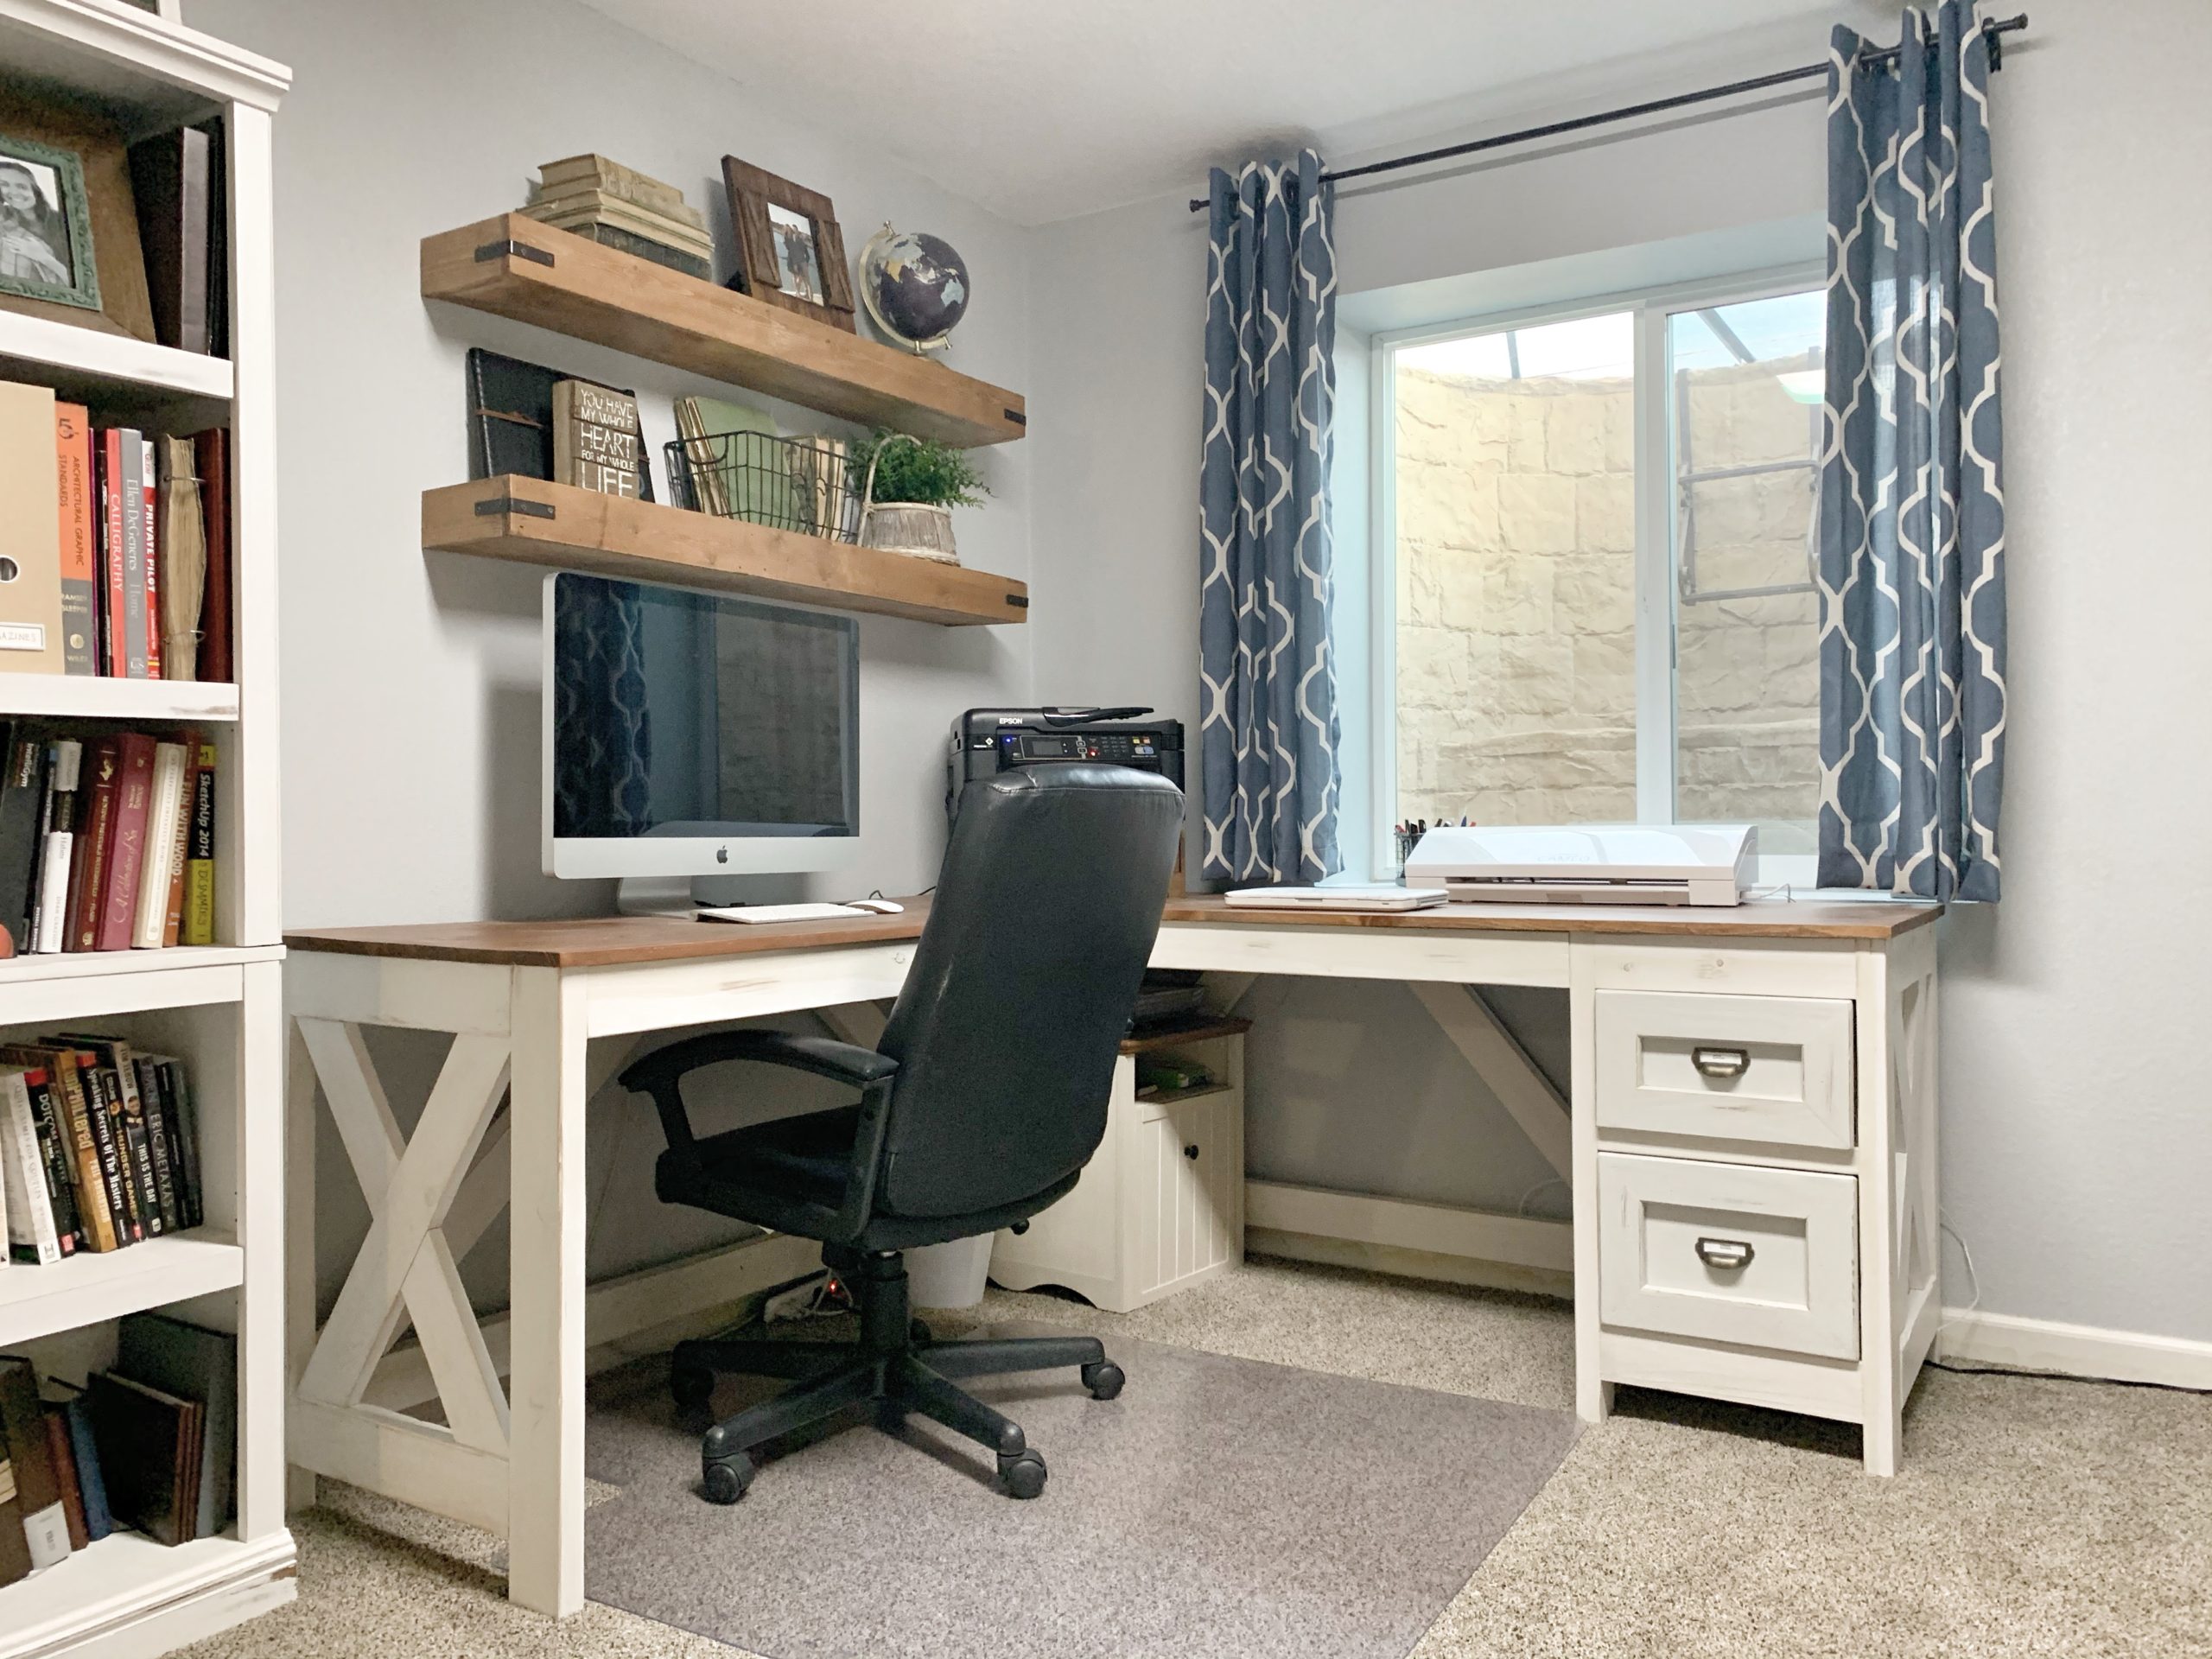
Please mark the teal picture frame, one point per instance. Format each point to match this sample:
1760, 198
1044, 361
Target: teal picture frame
31, 267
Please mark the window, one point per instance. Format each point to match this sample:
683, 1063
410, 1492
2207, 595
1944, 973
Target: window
1594, 586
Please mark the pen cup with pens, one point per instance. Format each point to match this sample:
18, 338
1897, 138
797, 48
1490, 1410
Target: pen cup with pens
1409, 836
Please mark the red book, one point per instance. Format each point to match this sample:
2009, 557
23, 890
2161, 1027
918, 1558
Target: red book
95, 827
151, 489
126, 859
114, 652
214, 458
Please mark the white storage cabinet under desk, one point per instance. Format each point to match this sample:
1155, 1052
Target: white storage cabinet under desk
1755, 1172
1161, 1205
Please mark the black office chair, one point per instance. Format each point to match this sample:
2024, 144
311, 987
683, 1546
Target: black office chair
980, 1107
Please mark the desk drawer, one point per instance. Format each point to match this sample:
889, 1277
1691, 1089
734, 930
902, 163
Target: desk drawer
1775, 1069
1767, 1258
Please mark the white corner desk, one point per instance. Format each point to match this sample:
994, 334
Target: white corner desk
1751, 1140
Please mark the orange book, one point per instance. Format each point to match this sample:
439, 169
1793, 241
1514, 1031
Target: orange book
73, 453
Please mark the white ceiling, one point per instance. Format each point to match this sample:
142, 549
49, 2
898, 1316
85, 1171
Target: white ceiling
1042, 110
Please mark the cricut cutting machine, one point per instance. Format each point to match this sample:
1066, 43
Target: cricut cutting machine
1589, 863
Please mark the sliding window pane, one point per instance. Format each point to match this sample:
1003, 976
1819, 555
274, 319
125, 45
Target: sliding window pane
1515, 560
1745, 402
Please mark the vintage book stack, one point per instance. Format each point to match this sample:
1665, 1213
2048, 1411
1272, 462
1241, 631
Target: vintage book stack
619, 207
129, 576
149, 1444
107, 838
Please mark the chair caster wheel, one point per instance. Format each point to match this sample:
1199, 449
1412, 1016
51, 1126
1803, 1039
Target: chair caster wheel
1103, 1379
1023, 1473
919, 1334
725, 1483
692, 1386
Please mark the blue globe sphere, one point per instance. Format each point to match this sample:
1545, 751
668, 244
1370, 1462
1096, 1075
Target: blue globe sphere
914, 285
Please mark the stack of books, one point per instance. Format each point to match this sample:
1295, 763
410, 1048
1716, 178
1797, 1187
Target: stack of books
149, 1444
129, 576
619, 207
107, 839
99, 1146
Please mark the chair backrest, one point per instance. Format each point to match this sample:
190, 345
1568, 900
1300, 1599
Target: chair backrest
1022, 988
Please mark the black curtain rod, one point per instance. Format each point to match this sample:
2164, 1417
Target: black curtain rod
1994, 31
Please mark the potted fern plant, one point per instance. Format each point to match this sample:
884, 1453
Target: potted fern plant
913, 486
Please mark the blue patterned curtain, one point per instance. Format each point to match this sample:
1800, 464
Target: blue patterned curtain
1268, 731
599, 767
1912, 506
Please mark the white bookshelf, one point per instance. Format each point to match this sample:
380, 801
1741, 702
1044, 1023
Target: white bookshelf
218, 1006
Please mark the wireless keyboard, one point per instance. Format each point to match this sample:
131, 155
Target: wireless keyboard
779, 912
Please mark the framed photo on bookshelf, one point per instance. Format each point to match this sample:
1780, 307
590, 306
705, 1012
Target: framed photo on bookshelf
789, 250
69, 247
46, 225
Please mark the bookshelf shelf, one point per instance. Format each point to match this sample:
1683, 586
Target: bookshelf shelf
83, 696
512, 266
87, 364
86, 1289
101, 1600
534, 522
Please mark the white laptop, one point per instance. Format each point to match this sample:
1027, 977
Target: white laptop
1352, 895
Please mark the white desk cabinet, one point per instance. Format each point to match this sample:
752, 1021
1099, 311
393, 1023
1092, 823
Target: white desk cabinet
1161, 1206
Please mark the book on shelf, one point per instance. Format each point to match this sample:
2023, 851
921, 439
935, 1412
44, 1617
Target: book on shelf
596, 444
100, 1145
92, 1487
131, 578
213, 463
192, 1362
42, 1217
64, 1463
183, 541
37, 1480
31, 632
107, 840
74, 482
172, 188
149, 1444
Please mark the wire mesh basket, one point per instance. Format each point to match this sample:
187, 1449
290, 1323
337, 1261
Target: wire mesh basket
799, 484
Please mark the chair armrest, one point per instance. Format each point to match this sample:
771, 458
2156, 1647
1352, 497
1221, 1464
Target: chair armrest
840, 1062
661, 1075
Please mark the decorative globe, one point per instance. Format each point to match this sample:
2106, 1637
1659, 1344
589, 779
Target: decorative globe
914, 285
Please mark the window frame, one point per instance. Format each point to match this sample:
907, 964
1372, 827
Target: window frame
1657, 719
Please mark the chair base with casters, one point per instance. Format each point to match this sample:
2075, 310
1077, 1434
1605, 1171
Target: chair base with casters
896, 1367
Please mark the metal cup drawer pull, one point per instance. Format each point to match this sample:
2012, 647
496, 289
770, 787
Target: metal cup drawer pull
1724, 1255
1721, 1064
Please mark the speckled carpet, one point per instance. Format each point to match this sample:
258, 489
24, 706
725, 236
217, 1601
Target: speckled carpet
1219, 1508
2031, 1519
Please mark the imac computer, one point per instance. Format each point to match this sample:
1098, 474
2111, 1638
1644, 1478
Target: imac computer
691, 734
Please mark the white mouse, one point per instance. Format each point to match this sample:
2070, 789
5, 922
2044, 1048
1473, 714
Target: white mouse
880, 906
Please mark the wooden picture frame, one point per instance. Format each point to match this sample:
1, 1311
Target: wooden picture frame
791, 252
84, 158
47, 250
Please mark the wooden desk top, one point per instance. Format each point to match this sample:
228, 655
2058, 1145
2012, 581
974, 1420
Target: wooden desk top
607, 941
1762, 919
620, 941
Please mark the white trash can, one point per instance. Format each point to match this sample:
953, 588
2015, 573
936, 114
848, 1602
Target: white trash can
949, 1276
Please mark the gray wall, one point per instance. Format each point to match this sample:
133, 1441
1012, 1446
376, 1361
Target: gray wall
410, 680
2074, 1132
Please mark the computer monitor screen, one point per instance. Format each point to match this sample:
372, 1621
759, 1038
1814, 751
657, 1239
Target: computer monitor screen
688, 734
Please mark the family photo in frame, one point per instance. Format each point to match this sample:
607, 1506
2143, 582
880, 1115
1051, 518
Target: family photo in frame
46, 239
790, 250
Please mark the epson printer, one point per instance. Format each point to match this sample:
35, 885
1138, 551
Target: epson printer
1592, 863
987, 742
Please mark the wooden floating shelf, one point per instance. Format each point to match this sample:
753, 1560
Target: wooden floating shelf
533, 522
515, 267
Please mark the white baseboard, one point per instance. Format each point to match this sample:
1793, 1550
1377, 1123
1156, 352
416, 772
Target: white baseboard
1975, 1339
